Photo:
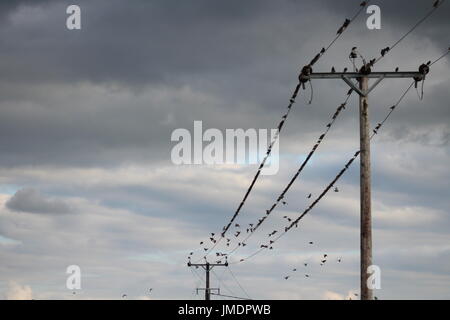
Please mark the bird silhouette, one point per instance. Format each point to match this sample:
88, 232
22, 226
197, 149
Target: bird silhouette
323, 261
124, 296
325, 255
305, 264
311, 242
191, 253
237, 234
284, 202
436, 3
336, 189
237, 225
339, 260
333, 70
201, 242
294, 270
286, 278
307, 275
309, 196
396, 69
345, 70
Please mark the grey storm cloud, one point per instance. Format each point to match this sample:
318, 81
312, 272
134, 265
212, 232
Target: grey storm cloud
32, 201
86, 119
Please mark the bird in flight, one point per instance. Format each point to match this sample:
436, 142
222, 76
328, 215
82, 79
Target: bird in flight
309, 196
336, 189
311, 242
286, 278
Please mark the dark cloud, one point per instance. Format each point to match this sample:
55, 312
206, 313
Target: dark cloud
31, 201
88, 114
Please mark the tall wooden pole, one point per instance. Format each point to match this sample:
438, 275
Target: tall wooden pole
207, 288
365, 190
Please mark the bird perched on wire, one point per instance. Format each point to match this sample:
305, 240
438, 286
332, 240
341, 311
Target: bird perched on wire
396, 69
333, 70
353, 53
437, 3
384, 51
344, 26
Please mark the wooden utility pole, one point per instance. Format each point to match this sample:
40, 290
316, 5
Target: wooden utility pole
365, 190
208, 267
363, 91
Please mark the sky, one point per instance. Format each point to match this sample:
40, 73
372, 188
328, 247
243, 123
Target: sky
86, 176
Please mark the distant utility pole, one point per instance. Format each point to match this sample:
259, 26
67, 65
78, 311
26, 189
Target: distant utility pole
363, 91
208, 267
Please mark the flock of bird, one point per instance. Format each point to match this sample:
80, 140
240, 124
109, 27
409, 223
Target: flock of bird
239, 232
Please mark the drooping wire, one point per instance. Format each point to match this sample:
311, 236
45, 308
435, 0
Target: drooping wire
222, 282
238, 283
227, 296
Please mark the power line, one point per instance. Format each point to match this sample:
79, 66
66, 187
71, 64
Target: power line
296, 175
227, 296
222, 282
324, 192
307, 69
436, 5
238, 283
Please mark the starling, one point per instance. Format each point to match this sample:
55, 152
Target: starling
333, 70
309, 196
